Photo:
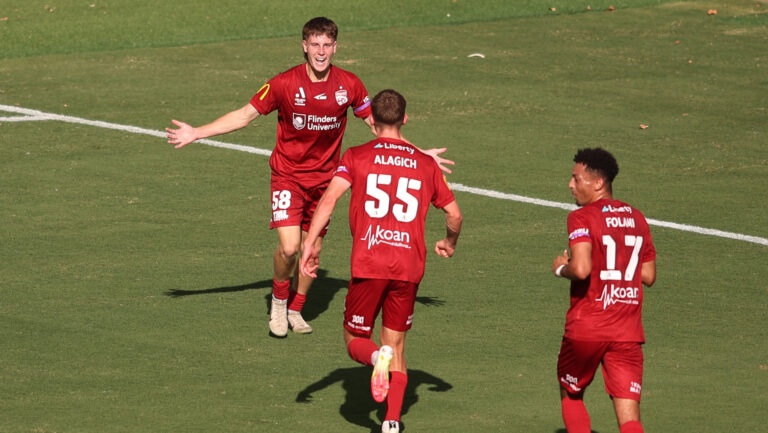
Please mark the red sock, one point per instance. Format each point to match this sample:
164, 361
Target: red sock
575, 416
631, 427
297, 301
360, 349
397, 383
280, 288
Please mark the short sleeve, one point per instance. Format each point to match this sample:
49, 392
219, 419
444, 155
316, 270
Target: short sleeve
443, 194
265, 100
361, 104
344, 169
578, 228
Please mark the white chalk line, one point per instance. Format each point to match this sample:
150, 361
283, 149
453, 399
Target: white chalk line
35, 115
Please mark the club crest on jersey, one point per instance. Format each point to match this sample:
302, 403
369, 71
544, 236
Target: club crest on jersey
299, 121
341, 97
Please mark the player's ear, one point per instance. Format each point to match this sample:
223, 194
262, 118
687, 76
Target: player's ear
599, 183
405, 118
304, 45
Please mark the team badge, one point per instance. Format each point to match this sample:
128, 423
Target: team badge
299, 121
341, 97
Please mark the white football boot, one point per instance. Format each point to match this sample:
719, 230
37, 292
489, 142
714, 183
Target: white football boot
390, 427
278, 320
297, 323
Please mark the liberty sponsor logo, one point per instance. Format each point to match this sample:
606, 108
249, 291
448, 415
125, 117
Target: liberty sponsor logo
300, 98
620, 222
635, 387
321, 97
618, 295
342, 169
609, 208
386, 145
341, 97
315, 123
579, 233
395, 238
397, 161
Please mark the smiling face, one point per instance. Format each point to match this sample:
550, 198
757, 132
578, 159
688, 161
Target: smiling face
319, 50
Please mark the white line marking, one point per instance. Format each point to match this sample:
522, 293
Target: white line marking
35, 115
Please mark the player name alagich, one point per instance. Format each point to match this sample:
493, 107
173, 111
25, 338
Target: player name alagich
398, 161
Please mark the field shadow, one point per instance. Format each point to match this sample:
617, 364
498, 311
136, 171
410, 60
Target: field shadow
358, 402
319, 298
323, 291
562, 430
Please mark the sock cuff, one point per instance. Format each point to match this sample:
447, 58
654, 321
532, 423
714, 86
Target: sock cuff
280, 289
631, 427
398, 377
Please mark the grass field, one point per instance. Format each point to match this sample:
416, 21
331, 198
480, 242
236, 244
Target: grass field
134, 278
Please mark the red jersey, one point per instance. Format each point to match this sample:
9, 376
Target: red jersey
311, 118
393, 184
608, 305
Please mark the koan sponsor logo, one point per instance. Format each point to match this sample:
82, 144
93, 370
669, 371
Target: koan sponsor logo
378, 235
613, 294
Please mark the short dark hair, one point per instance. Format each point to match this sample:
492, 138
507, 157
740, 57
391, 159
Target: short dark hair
600, 161
320, 26
388, 107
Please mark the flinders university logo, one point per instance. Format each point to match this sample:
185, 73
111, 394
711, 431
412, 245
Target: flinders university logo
299, 121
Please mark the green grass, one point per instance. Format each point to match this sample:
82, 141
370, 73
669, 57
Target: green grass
135, 277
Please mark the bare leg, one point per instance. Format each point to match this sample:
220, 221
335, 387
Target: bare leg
289, 241
626, 410
302, 283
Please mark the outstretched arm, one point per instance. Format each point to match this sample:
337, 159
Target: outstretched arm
229, 122
453, 218
310, 259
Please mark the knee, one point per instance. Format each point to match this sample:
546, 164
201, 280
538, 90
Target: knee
288, 252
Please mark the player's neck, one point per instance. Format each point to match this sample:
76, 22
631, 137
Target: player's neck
316, 76
601, 195
389, 132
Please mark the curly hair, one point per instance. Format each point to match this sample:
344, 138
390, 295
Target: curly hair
599, 161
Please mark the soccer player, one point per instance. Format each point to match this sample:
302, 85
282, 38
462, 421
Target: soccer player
612, 256
392, 185
311, 100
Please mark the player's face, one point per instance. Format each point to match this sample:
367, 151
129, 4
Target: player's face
320, 50
582, 184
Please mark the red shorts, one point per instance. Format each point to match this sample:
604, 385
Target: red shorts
366, 297
622, 367
293, 205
